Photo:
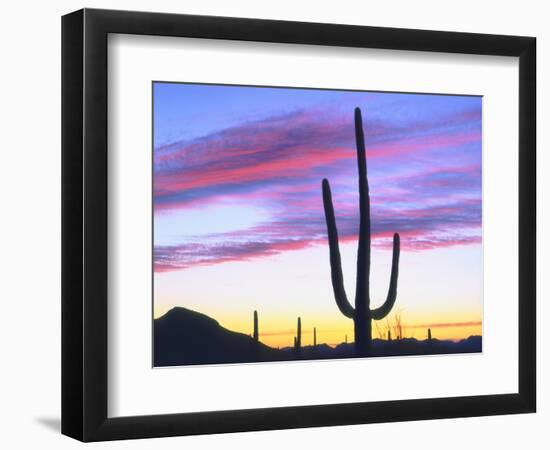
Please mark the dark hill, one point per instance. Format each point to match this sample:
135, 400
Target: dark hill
184, 337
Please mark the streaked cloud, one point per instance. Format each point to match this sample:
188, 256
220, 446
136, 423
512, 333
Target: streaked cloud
424, 175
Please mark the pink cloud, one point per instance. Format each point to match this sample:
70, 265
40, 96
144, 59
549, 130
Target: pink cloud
425, 184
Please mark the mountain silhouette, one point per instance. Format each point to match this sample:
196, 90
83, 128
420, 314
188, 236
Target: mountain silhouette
185, 337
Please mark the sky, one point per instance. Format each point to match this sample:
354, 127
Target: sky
238, 214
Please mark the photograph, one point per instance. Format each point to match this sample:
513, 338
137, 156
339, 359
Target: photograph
299, 223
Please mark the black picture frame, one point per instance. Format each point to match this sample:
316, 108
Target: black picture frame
84, 224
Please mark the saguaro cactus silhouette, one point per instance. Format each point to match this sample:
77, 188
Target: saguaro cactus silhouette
298, 344
362, 315
314, 337
256, 336
429, 335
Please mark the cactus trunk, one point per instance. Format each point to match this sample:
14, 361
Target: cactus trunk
362, 315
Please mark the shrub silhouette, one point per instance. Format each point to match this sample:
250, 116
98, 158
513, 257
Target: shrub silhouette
362, 315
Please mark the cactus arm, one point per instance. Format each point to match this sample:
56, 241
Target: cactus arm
382, 311
335, 259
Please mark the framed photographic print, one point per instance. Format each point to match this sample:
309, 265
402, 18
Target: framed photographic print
284, 206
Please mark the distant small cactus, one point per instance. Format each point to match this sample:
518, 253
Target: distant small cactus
429, 335
256, 335
314, 337
389, 335
298, 342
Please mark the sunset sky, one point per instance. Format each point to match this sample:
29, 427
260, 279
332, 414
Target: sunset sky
238, 213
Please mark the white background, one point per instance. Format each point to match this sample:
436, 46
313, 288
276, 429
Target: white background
135, 389
30, 177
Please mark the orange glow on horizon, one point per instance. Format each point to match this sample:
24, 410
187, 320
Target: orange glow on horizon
279, 332
295, 284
